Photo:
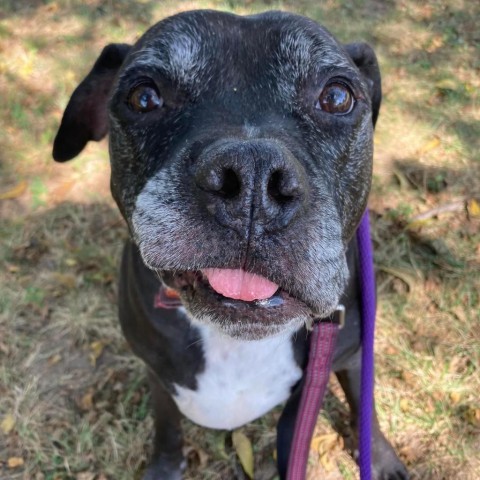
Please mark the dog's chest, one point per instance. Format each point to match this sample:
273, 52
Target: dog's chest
242, 380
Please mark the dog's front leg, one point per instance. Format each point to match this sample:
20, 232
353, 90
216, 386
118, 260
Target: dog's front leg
167, 460
385, 463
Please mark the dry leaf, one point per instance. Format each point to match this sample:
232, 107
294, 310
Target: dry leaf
446, 84
327, 462
65, 279
404, 405
473, 208
96, 349
472, 416
13, 268
244, 450
201, 455
436, 43
86, 402
455, 397
14, 192
70, 262
409, 377
54, 359
324, 443
14, 462
7, 424
430, 145
402, 274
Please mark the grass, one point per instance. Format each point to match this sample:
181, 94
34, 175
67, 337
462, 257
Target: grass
74, 399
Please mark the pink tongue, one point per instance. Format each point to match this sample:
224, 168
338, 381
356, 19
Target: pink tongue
239, 284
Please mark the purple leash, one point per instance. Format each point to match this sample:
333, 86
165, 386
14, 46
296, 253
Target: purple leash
322, 346
368, 309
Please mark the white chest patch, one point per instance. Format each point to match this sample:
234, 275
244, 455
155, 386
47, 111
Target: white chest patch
242, 380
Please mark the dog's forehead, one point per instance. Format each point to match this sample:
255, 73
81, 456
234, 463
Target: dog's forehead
194, 44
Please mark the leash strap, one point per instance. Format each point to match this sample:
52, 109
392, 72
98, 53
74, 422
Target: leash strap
368, 309
322, 346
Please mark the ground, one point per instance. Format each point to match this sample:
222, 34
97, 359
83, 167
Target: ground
74, 399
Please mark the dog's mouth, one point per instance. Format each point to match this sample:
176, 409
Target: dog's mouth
240, 303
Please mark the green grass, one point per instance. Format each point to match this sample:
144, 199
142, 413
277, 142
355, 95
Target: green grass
61, 237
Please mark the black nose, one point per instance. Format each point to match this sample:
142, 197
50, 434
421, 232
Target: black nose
250, 184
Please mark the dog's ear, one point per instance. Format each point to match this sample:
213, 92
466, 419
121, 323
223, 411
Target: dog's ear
86, 117
365, 59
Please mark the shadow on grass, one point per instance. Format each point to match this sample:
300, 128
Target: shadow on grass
434, 244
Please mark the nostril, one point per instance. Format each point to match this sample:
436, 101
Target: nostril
222, 181
231, 184
281, 188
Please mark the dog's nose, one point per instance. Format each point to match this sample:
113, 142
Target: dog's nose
251, 184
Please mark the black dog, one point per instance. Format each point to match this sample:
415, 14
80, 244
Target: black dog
241, 155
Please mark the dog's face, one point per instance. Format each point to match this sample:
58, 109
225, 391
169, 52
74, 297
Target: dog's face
241, 154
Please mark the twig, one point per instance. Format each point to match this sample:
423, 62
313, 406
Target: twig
456, 206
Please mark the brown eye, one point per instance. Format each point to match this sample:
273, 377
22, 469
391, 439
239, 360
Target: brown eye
144, 98
336, 98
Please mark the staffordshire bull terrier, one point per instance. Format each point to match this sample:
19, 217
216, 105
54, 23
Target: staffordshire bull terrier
241, 160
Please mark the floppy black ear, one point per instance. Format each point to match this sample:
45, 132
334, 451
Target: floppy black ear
365, 59
86, 117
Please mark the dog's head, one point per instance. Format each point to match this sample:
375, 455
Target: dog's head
241, 155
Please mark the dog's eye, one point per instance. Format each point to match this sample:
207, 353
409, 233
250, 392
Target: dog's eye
144, 98
336, 98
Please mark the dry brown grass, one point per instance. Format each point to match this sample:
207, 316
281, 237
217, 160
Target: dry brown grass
74, 404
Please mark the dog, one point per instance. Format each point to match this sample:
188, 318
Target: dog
241, 160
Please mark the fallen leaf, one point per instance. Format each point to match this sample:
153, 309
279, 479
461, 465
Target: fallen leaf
70, 262
199, 453
327, 462
54, 359
403, 275
430, 145
472, 416
404, 405
86, 402
409, 377
15, 462
7, 424
455, 397
473, 208
446, 84
325, 443
14, 192
391, 350
66, 280
244, 450
324, 446
436, 43
51, 7
96, 349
